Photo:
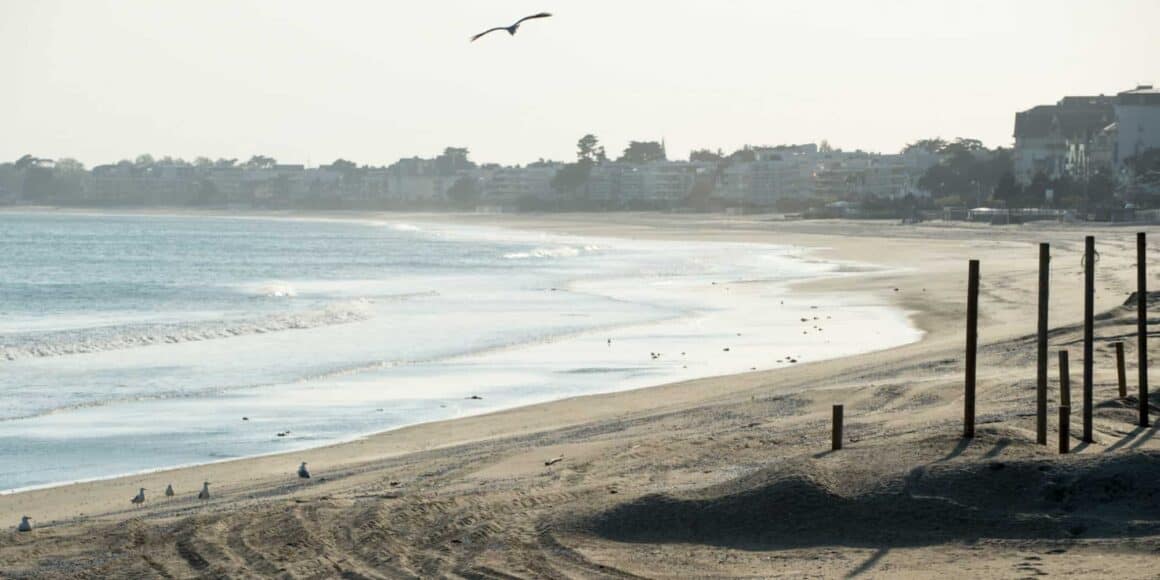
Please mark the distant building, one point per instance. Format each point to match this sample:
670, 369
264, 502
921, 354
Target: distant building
1042, 133
511, 184
775, 173
1137, 122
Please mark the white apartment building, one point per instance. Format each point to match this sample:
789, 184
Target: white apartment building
1137, 122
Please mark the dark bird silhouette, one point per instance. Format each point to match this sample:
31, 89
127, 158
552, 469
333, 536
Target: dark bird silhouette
510, 29
169, 490
302, 472
204, 493
24, 526
139, 498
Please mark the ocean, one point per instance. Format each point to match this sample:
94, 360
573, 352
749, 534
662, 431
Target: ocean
131, 343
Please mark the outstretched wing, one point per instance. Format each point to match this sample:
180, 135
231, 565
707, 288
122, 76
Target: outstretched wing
486, 32
540, 15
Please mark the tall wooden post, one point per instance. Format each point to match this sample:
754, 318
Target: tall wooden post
1089, 294
1041, 367
972, 347
836, 433
1064, 380
1121, 379
1142, 324
1064, 429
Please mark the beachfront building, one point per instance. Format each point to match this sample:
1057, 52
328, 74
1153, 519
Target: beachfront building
507, 185
859, 174
1042, 133
1137, 122
775, 173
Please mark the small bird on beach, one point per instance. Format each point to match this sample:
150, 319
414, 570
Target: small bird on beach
302, 472
139, 498
169, 490
25, 525
510, 29
204, 493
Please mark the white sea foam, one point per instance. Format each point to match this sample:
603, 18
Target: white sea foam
405, 228
552, 252
80, 341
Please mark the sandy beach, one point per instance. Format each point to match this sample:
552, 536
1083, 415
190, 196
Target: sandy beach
725, 476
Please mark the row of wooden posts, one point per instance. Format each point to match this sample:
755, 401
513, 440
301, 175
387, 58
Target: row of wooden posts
1089, 261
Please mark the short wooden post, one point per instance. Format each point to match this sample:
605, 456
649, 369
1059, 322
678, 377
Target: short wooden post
972, 348
1064, 380
1123, 380
1064, 429
1041, 366
836, 434
1142, 323
1089, 294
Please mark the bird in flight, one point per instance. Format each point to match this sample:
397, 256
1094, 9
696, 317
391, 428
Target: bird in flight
511, 29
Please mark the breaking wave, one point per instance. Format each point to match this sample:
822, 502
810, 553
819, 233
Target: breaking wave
552, 252
89, 340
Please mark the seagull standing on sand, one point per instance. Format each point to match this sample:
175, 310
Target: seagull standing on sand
139, 498
169, 490
510, 29
302, 472
25, 525
204, 493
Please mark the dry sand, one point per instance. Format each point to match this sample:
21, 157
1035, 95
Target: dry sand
726, 476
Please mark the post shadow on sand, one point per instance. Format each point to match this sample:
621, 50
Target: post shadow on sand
869, 564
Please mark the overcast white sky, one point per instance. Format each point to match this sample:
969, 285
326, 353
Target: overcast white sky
377, 80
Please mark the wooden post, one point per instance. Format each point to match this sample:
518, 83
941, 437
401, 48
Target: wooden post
836, 435
972, 347
1041, 367
1064, 380
1142, 324
1089, 294
1123, 380
1064, 429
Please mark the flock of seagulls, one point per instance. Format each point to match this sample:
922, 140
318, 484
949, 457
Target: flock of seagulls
139, 499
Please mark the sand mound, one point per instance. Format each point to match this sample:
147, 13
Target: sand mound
793, 506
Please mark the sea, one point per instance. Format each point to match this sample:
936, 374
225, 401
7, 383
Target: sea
130, 343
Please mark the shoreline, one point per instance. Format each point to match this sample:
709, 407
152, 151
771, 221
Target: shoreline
837, 281
478, 496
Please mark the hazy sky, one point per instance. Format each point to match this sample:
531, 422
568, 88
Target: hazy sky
377, 80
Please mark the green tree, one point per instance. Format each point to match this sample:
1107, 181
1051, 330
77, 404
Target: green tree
640, 152
570, 178
260, 162
464, 192
935, 145
706, 155
588, 149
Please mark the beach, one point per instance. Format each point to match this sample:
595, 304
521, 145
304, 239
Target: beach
719, 476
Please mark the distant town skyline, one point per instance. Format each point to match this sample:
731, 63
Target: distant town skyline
372, 82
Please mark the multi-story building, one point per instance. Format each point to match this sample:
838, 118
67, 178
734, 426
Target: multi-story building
858, 174
1042, 133
511, 184
1137, 122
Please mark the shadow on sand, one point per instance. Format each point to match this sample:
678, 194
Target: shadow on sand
793, 506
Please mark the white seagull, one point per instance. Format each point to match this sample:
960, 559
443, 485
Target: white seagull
25, 525
204, 493
510, 29
139, 498
302, 472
